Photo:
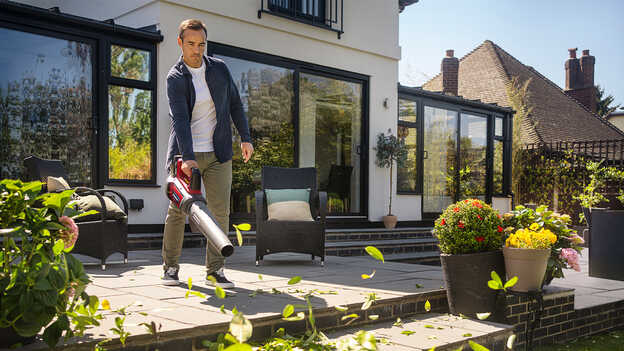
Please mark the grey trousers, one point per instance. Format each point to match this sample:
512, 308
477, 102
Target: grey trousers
217, 180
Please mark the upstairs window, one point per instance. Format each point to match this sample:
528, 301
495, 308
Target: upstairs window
309, 9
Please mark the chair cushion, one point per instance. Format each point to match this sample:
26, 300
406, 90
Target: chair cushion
55, 184
288, 204
91, 202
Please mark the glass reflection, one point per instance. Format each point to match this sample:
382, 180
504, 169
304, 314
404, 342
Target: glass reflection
473, 148
129, 133
130, 63
329, 137
498, 167
45, 103
408, 133
267, 96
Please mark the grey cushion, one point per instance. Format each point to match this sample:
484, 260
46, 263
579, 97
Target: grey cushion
91, 202
55, 184
290, 211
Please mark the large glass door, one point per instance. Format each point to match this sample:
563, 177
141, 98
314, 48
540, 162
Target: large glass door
330, 115
439, 158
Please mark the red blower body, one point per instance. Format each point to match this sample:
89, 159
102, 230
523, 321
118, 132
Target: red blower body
185, 193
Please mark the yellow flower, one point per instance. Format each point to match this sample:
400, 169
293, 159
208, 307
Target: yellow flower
534, 226
105, 304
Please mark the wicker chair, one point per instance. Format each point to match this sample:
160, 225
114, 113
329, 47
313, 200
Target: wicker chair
98, 238
290, 236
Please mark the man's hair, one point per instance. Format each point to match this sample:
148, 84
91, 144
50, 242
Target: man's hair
191, 24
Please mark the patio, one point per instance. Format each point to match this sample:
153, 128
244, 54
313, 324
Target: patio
262, 292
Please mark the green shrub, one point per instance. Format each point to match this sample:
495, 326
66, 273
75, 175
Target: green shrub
469, 226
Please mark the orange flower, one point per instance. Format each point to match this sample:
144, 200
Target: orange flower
442, 222
497, 215
466, 201
456, 209
476, 203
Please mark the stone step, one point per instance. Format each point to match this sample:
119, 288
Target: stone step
433, 331
357, 248
423, 257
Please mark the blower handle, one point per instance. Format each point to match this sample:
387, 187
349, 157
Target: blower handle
195, 180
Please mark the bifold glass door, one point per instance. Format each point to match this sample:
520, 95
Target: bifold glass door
330, 115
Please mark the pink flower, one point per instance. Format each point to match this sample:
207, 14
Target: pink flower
69, 235
571, 257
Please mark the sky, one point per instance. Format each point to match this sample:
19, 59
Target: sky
537, 33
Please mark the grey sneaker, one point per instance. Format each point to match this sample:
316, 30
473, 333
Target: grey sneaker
170, 277
220, 279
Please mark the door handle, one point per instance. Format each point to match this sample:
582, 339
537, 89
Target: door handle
425, 155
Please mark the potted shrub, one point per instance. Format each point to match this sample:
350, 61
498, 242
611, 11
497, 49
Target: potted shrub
470, 235
564, 253
41, 284
604, 237
390, 149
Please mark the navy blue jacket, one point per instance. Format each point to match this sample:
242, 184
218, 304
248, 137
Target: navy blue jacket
181, 96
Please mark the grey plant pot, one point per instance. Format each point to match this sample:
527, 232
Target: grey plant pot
529, 265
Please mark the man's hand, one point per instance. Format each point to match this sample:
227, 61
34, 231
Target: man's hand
247, 150
188, 165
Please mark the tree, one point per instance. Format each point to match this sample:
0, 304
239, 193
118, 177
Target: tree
603, 102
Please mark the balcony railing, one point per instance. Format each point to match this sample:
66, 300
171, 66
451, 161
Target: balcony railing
326, 14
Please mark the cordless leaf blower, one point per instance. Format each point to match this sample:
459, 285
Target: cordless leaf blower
185, 193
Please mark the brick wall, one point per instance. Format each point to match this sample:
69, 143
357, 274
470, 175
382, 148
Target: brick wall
560, 322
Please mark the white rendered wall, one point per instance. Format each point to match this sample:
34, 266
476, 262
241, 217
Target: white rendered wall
369, 46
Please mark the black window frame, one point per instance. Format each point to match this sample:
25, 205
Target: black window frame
461, 106
298, 67
419, 155
52, 22
150, 85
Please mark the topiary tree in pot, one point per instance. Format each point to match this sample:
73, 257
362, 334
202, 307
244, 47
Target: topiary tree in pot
390, 149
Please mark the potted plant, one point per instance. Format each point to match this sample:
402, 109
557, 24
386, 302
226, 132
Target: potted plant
470, 236
41, 284
603, 235
390, 149
564, 252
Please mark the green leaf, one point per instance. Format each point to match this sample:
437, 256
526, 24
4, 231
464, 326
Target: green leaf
477, 347
238, 347
341, 308
483, 316
222, 309
244, 226
190, 283
494, 285
511, 282
373, 317
349, 316
407, 332
366, 276
298, 317
260, 276
467, 335
496, 278
429, 326
198, 294
375, 253
239, 237
294, 280
510, 341
240, 327
58, 247
427, 306
219, 292
288, 310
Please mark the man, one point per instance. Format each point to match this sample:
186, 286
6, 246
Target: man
202, 99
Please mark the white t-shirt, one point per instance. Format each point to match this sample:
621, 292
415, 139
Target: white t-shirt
204, 115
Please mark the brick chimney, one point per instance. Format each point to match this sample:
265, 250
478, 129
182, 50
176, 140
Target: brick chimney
580, 79
450, 71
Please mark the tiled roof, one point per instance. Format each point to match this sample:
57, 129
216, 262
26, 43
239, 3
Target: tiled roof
486, 71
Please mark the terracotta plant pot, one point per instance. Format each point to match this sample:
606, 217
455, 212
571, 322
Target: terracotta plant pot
529, 265
390, 221
466, 277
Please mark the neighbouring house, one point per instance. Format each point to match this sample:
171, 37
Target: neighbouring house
617, 119
558, 115
84, 82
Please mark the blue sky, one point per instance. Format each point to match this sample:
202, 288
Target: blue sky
538, 33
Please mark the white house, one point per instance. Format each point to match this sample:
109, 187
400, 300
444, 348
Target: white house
318, 80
